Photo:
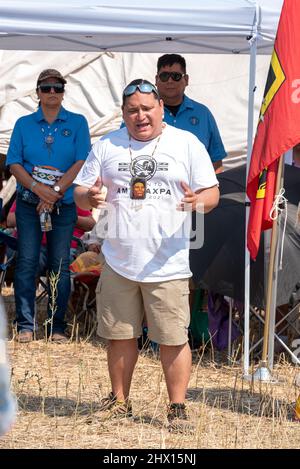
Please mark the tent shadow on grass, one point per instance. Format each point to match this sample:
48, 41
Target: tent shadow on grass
243, 402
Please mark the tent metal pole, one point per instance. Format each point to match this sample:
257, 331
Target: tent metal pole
251, 91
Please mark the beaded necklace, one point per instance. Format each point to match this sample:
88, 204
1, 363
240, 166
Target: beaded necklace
49, 139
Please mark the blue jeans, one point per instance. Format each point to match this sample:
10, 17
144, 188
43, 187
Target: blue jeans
29, 245
43, 260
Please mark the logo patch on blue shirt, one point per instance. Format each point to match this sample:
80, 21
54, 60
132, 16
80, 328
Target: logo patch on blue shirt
194, 120
66, 132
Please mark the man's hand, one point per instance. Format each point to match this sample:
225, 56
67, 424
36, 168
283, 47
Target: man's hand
189, 201
203, 200
96, 196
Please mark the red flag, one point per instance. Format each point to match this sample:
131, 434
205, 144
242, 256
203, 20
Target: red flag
278, 129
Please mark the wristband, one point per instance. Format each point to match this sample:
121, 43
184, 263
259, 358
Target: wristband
33, 184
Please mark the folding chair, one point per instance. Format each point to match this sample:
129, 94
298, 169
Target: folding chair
288, 320
82, 302
8, 261
85, 273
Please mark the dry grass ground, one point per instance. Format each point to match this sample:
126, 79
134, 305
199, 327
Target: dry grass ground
59, 386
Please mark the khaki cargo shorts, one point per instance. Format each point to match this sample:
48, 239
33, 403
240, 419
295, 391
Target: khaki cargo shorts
122, 305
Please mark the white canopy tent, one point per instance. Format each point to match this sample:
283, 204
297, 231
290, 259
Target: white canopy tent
198, 26
193, 26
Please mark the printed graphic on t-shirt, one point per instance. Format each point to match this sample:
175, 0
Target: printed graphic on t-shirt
143, 166
152, 191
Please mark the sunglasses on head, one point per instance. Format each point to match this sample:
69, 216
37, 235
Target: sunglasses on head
176, 76
142, 87
57, 87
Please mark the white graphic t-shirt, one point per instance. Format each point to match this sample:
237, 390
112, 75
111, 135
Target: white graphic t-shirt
148, 240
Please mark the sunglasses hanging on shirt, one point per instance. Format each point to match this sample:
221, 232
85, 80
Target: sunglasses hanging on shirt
47, 87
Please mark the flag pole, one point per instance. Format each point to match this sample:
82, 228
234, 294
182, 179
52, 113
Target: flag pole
251, 92
263, 372
272, 324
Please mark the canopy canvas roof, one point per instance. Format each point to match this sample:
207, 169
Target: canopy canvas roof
199, 26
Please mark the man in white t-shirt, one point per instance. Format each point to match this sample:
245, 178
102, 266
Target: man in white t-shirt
146, 245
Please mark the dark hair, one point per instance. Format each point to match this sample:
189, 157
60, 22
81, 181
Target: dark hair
140, 81
171, 59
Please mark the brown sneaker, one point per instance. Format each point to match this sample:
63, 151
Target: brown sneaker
59, 338
178, 419
110, 407
107, 402
115, 408
25, 336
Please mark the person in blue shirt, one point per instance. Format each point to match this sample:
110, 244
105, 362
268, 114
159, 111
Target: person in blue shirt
183, 112
46, 151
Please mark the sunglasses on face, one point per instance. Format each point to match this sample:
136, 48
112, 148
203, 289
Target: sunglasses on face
142, 87
57, 87
176, 76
